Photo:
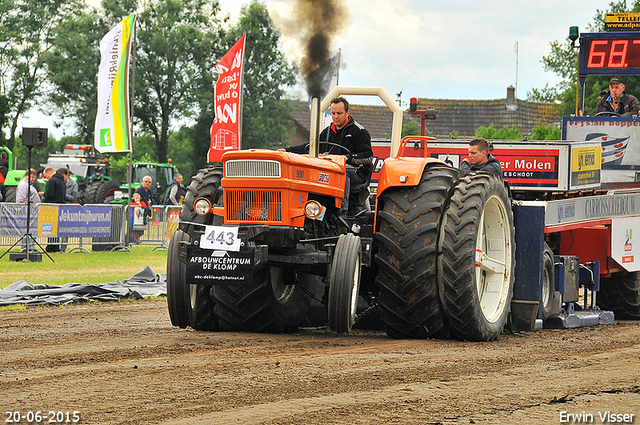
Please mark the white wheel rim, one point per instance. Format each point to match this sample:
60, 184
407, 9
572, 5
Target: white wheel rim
355, 288
493, 259
193, 293
281, 291
546, 290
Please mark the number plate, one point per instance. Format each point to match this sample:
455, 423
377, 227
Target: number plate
220, 238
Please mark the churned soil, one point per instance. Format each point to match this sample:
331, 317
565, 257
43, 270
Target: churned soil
123, 363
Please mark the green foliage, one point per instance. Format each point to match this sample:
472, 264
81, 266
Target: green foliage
454, 134
27, 32
265, 122
176, 43
142, 146
72, 68
545, 132
410, 129
503, 134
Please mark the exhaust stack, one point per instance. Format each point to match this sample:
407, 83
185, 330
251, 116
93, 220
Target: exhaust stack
314, 128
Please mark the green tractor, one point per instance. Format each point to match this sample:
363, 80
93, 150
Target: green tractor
161, 176
12, 177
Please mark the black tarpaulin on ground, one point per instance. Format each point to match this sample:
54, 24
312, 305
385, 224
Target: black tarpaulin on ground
143, 284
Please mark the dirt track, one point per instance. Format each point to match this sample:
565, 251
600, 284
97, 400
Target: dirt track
124, 363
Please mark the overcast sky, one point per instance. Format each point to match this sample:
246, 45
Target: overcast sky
457, 49
460, 49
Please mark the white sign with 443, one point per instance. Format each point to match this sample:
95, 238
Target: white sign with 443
220, 238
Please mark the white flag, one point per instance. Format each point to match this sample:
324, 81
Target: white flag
112, 129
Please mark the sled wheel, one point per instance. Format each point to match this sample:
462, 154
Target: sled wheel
344, 283
407, 239
548, 283
477, 264
621, 294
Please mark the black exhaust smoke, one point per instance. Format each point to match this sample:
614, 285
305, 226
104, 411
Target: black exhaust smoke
320, 23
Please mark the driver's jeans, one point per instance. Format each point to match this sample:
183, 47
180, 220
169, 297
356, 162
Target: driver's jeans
352, 178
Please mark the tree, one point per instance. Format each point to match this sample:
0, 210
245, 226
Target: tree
545, 132
503, 134
265, 122
176, 42
27, 31
73, 65
410, 129
563, 61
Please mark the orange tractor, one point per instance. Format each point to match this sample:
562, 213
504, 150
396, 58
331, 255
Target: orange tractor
263, 237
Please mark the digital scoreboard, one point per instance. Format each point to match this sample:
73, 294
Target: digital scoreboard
610, 53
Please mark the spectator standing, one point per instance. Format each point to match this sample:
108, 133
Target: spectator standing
175, 191
24, 191
145, 194
55, 193
71, 196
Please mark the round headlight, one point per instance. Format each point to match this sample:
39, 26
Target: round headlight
312, 209
202, 206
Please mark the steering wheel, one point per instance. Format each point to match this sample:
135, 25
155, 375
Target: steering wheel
609, 114
335, 145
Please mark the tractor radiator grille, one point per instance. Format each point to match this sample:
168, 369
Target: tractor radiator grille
254, 205
252, 168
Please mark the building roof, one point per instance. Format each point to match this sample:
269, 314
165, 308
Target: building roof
466, 116
463, 116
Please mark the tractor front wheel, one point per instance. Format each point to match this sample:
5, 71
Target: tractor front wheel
344, 283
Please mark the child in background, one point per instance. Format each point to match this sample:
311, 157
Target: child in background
137, 208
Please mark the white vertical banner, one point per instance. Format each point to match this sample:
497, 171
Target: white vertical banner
112, 128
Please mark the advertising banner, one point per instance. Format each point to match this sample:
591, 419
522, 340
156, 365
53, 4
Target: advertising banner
620, 141
226, 127
624, 248
80, 221
112, 129
13, 220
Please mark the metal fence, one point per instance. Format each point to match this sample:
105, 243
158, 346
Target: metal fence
156, 231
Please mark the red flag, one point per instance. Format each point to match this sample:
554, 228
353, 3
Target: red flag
226, 127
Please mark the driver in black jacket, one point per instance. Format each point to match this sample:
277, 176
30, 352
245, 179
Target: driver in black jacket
617, 100
345, 131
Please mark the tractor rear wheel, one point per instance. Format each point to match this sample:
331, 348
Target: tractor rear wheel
206, 183
477, 262
11, 194
105, 191
621, 294
90, 194
271, 300
344, 283
407, 238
